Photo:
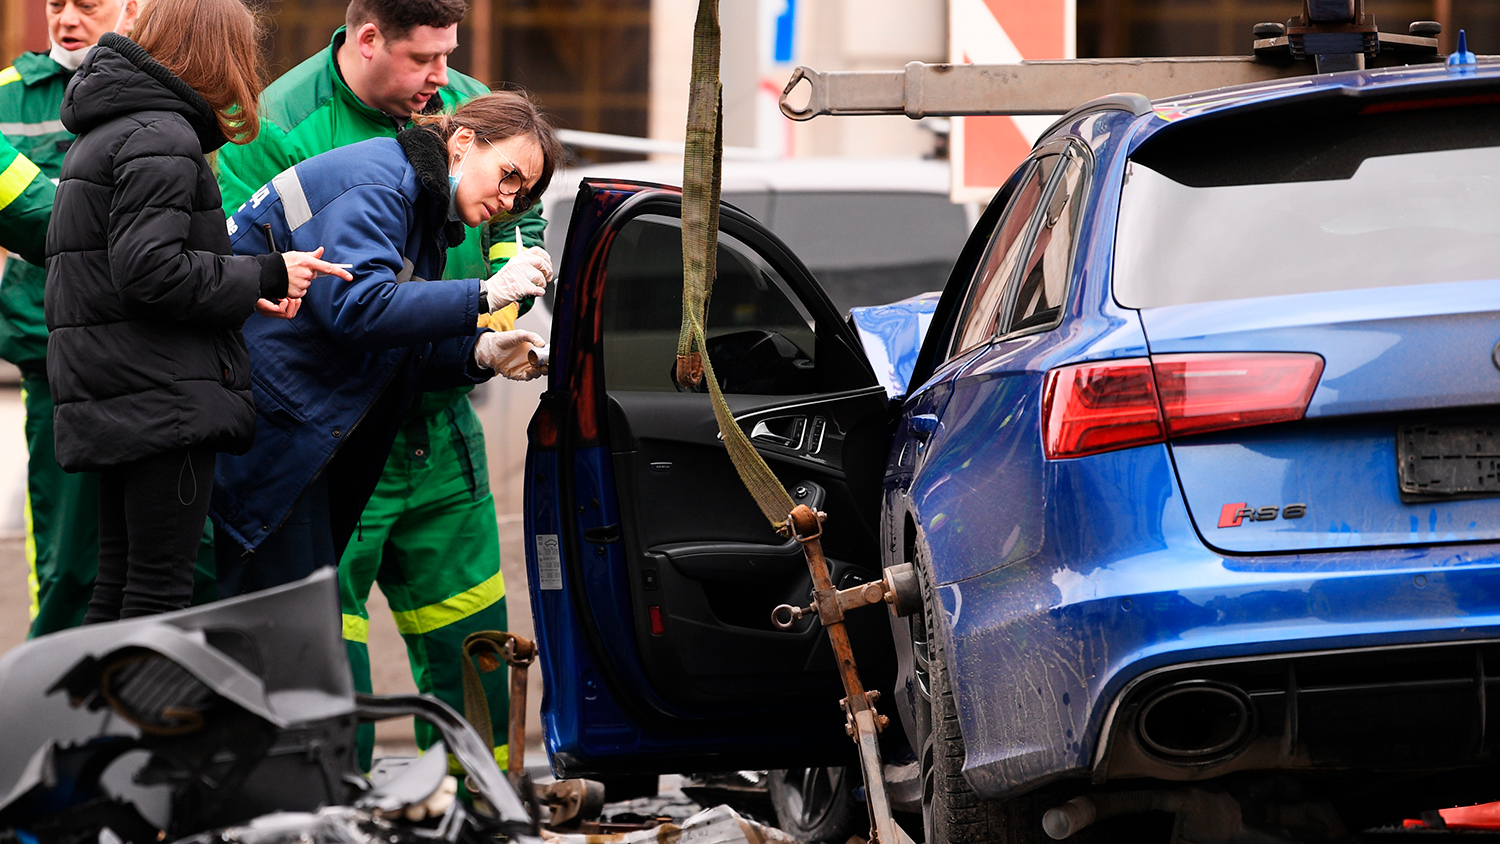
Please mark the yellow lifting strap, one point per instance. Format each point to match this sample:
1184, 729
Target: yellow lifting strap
702, 165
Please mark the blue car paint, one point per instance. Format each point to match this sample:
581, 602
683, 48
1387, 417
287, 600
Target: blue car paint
1353, 485
1038, 641
892, 336
1388, 349
576, 703
1043, 646
1062, 581
1384, 349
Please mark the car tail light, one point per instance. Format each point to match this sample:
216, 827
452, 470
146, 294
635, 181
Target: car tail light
1103, 406
1214, 392
1108, 405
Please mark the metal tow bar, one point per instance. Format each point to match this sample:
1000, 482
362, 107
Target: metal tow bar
1346, 36
863, 724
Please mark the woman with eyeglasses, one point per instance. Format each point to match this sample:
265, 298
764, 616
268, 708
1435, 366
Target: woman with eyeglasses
331, 387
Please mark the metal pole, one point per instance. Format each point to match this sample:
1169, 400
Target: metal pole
483, 28
1111, 40
1442, 12
12, 29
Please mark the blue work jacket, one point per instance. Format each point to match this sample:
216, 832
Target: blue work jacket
383, 337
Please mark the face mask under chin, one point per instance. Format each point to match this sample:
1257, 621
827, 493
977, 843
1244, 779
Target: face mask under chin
70, 59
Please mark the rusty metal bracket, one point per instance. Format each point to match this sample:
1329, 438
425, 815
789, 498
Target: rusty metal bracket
573, 803
487, 649
897, 587
861, 720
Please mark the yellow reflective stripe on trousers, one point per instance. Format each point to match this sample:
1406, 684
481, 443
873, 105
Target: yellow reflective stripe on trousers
503, 249
502, 758
33, 582
15, 178
356, 629
457, 608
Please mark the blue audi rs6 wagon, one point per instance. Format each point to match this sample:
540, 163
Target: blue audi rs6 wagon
1198, 463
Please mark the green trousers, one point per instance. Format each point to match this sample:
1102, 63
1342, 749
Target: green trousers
430, 539
62, 522
62, 526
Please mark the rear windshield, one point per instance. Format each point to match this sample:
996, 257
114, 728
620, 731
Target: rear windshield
1346, 197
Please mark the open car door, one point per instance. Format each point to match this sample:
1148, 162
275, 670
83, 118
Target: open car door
652, 573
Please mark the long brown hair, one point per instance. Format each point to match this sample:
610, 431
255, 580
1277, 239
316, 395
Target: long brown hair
495, 117
213, 46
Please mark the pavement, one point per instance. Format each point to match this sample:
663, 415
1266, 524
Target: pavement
504, 408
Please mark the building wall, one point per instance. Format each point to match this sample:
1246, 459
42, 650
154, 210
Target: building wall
830, 35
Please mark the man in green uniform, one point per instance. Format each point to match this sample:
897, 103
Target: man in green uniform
62, 540
25, 205
429, 535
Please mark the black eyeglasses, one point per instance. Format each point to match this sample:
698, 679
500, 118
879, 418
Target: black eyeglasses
511, 184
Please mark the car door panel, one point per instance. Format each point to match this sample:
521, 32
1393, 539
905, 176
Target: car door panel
721, 581
668, 570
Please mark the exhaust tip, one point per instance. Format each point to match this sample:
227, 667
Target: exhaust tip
1063, 821
1196, 721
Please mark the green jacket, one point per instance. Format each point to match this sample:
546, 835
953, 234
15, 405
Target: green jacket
310, 110
31, 94
25, 204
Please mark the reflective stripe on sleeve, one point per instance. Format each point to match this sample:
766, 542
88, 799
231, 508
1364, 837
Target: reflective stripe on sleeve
503, 249
293, 201
9, 75
457, 608
15, 178
32, 130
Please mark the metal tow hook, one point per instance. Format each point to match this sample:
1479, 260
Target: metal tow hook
897, 587
862, 722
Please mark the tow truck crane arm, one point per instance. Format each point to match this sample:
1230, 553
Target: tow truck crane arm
1334, 34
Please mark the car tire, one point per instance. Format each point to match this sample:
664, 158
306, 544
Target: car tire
951, 812
817, 805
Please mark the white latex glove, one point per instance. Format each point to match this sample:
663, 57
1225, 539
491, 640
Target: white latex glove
524, 275
505, 352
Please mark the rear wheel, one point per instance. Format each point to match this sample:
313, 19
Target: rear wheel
817, 805
951, 812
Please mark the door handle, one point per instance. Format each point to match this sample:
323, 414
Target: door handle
787, 432
922, 425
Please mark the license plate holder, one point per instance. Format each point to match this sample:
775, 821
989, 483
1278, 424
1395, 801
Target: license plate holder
1447, 462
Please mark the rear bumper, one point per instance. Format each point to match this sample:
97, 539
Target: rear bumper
1051, 665
1399, 708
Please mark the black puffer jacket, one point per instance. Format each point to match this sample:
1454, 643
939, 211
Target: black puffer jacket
144, 298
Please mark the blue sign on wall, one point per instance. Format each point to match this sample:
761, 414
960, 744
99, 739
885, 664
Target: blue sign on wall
786, 27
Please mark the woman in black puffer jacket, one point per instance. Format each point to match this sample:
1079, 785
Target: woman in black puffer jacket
144, 299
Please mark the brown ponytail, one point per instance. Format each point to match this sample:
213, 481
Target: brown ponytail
497, 116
